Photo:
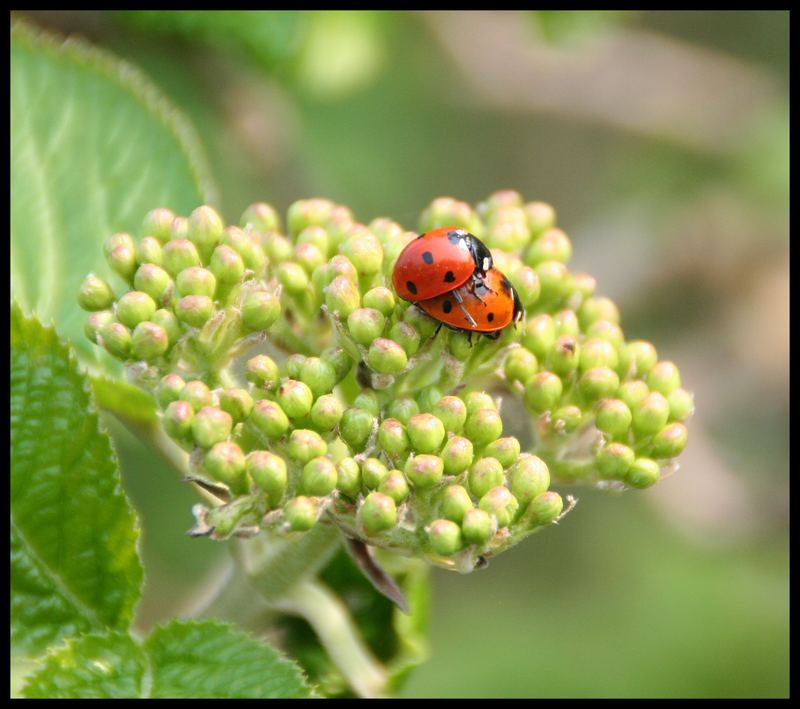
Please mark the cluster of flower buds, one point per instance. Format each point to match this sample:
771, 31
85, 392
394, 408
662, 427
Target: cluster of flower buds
307, 392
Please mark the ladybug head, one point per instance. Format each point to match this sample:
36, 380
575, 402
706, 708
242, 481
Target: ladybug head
480, 253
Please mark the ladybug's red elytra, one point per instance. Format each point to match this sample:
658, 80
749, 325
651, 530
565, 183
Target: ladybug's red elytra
484, 304
439, 261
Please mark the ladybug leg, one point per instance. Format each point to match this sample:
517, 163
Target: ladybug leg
436, 331
457, 297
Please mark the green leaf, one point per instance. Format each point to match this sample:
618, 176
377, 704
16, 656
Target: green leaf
184, 659
94, 147
94, 666
209, 659
74, 563
126, 401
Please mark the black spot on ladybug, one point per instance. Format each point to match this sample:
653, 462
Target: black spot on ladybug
449, 277
490, 317
411, 287
427, 257
447, 306
506, 285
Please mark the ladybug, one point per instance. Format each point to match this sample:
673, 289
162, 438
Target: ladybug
485, 305
439, 261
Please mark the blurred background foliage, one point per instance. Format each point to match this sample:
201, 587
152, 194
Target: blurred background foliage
662, 140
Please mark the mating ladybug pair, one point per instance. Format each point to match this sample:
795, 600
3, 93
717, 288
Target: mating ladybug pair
449, 273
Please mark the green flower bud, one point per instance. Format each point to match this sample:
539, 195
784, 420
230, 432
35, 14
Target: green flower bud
395, 486
483, 426
179, 255
386, 230
315, 236
643, 473
236, 402
355, 427
403, 409
421, 321
169, 389
301, 513
633, 393
454, 502
177, 419
364, 250
276, 246
319, 477
520, 365
505, 450
116, 338
149, 251
95, 294
484, 475
598, 353
664, 378
342, 296
349, 477
565, 356
305, 212
566, 323
339, 360
529, 477
318, 375
373, 473
500, 503
261, 217
368, 400
365, 324
197, 394
555, 280
444, 537
149, 341
304, 445
407, 337
326, 412
452, 412
599, 383
446, 211
154, 281
460, 345
196, 281
341, 266
166, 320
608, 331
585, 285
498, 200
543, 391
551, 245
95, 323
567, 418
158, 223
268, 418
295, 398
597, 308
614, 460
387, 356
508, 230
613, 417
477, 400
377, 513
392, 437
424, 470
205, 229
545, 508
260, 310
268, 471
428, 398
651, 414
380, 299
292, 277
457, 455
179, 228
539, 335
194, 310
309, 257
528, 286
135, 307
426, 433
670, 441
681, 404
226, 463
248, 245
211, 425
226, 265
540, 216
121, 255
476, 526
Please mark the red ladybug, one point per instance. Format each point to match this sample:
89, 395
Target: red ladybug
439, 261
485, 305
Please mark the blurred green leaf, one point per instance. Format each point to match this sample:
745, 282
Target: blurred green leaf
571, 26
74, 562
184, 659
94, 147
125, 400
